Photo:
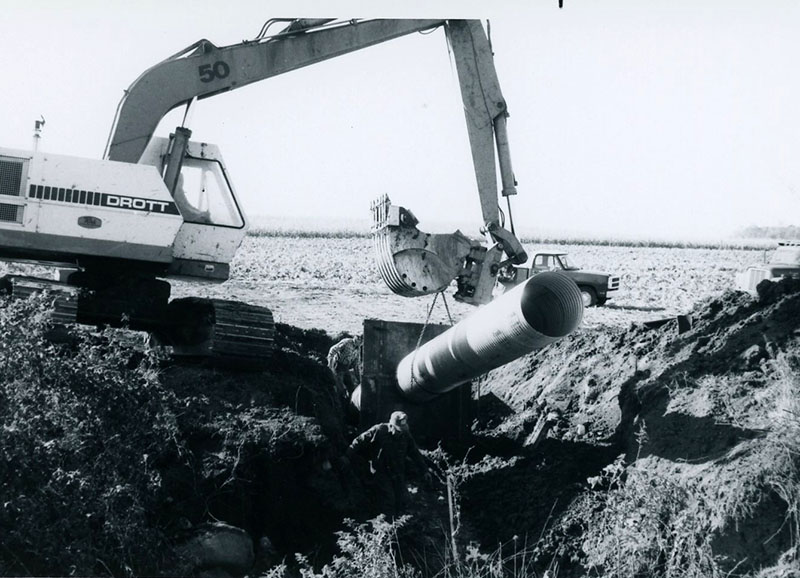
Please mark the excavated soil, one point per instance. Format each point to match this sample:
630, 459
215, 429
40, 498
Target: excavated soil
264, 446
700, 409
263, 453
690, 407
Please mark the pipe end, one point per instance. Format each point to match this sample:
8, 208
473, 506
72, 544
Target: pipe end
552, 305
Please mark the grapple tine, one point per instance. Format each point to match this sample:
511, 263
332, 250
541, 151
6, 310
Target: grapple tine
389, 273
413, 263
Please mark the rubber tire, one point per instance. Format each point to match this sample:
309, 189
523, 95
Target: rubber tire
588, 296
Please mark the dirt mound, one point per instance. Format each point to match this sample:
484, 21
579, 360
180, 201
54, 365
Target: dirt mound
263, 454
695, 411
260, 446
111, 457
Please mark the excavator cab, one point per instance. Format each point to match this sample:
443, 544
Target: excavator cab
213, 221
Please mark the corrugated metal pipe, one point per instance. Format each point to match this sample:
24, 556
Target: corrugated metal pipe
536, 313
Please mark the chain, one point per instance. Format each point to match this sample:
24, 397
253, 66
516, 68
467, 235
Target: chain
427, 321
425, 326
447, 308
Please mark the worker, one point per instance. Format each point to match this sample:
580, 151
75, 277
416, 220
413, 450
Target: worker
381, 454
344, 361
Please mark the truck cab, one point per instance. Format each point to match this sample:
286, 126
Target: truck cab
785, 262
594, 287
552, 262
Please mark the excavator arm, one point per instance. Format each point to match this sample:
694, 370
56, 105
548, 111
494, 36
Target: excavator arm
411, 262
485, 110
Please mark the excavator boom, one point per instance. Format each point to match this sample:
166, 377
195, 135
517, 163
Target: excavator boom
203, 70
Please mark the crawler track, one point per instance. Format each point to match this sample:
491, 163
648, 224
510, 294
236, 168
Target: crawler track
217, 330
221, 330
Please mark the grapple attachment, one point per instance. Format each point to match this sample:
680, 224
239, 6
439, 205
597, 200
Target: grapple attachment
411, 262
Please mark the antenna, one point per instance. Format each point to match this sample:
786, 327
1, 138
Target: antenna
37, 132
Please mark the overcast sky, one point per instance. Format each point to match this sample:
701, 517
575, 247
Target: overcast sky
665, 118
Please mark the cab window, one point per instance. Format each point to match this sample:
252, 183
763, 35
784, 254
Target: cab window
203, 195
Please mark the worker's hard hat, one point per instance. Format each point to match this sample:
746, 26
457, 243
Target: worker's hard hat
398, 417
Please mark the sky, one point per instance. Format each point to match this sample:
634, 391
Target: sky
669, 119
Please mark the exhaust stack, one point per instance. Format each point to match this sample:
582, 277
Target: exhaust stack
536, 313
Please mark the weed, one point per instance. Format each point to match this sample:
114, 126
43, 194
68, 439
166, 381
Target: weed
465, 558
84, 423
372, 550
783, 476
366, 550
636, 523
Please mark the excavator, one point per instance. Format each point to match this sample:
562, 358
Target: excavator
117, 229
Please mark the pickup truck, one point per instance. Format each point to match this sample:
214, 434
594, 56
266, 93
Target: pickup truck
595, 287
785, 262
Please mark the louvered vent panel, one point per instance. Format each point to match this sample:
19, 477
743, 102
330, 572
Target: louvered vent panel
10, 177
11, 213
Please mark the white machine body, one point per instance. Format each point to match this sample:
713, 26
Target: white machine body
58, 209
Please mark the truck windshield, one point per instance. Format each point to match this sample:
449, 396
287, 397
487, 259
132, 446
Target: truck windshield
566, 263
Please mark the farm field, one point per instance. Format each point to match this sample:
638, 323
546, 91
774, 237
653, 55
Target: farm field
333, 283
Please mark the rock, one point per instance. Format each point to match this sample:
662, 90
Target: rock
543, 425
771, 349
552, 417
753, 354
217, 550
589, 392
266, 556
